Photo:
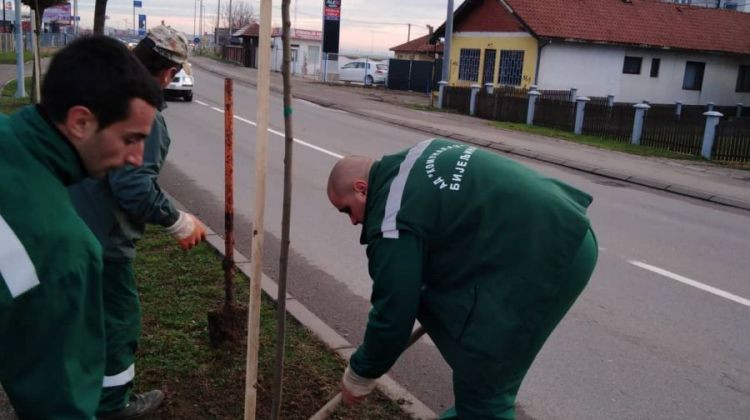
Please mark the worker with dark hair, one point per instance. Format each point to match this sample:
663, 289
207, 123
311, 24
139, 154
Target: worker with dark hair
98, 105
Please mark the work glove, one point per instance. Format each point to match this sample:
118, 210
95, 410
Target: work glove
188, 230
354, 387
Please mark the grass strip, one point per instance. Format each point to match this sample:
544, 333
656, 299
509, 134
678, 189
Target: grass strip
595, 141
177, 289
9, 104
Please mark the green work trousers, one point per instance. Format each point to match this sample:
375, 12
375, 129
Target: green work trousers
122, 328
485, 387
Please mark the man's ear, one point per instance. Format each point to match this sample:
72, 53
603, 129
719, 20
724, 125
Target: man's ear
80, 123
360, 186
165, 76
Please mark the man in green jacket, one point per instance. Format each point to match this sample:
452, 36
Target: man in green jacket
98, 105
487, 254
116, 208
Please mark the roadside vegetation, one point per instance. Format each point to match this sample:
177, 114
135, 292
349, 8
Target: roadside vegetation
9, 57
9, 104
177, 290
595, 141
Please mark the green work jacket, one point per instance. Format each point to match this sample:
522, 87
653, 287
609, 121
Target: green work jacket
51, 325
445, 218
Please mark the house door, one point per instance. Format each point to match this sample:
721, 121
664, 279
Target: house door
294, 59
313, 59
488, 76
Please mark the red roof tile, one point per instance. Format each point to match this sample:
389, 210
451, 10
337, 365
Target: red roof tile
252, 29
637, 22
419, 45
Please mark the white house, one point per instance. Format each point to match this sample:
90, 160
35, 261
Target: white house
306, 46
634, 49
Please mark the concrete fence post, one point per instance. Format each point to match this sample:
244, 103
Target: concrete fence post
640, 112
678, 110
580, 107
441, 93
573, 94
709, 106
533, 95
739, 109
610, 100
473, 101
709, 134
489, 88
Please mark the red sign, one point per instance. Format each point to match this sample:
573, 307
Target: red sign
332, 10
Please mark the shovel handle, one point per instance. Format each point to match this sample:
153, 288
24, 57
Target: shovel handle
331, 406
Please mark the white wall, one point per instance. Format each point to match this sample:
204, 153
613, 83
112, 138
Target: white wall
596, 70
307, 62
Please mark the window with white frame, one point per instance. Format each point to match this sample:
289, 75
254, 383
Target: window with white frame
511, 67
468, 64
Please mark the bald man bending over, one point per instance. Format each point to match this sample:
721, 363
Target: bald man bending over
486, 253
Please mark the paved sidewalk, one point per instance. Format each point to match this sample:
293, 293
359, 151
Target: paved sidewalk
695, 179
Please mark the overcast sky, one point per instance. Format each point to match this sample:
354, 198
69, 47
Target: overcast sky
366, 25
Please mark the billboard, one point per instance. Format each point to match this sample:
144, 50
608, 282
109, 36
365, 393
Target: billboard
141, 25
331, 25
59, 13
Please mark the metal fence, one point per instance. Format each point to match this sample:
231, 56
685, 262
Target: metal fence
502, 105
458, 98
555, 114
46, 40
681, 136
732, 141
615, 122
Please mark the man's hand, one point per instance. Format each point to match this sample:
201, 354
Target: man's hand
354, 388
188, 230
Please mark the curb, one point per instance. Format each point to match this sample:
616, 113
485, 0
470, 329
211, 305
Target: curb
526, 153
392, 389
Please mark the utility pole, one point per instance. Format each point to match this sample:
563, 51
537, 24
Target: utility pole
20, 83
218, 24
230, 22
447, 43
195, 15
75, 17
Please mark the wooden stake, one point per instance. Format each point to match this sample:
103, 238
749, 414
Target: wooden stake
278, 378
261, 151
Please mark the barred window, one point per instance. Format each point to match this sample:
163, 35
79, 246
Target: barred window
511, 67
468, 64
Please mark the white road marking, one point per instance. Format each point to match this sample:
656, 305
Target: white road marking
200, 102
689, 282
278, 133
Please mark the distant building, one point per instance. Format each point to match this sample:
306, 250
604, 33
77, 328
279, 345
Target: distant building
305, 45
633, 49
419, 49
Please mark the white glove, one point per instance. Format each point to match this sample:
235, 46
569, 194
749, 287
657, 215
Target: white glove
187, 230
356, 385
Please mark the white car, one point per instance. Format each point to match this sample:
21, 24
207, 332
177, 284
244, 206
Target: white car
355, 72
182, 84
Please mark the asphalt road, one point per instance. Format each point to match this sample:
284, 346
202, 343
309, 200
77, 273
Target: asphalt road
661, 332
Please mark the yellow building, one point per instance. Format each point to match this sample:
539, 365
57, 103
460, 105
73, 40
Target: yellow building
489, 45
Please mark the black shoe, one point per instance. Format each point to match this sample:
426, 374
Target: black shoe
139, 405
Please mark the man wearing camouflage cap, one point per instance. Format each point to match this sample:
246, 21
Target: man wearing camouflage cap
116, 208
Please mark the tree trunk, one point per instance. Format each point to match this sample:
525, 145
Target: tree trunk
100, 12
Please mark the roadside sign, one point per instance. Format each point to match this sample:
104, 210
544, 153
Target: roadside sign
137, 3
197, 40
141, 25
